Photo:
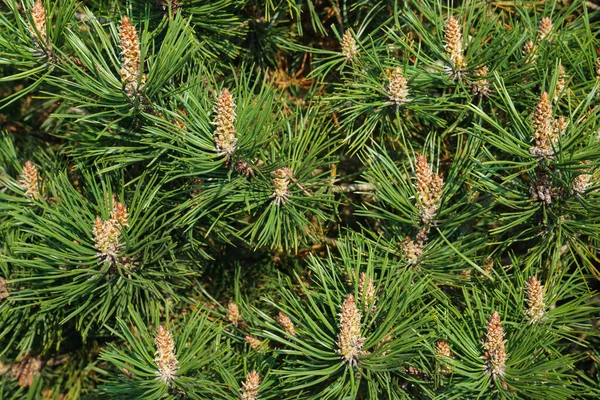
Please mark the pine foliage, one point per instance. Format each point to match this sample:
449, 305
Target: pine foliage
323, 199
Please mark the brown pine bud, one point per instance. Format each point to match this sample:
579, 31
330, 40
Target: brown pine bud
225, 134
38, 30
429, 189
233, 314
286, 323
528, 48
30, 180
543, 127
481, 87
454, 46
561, 83
165, 359
256, 344
442, 348
494, 351
350, 342
26, 370
281, 192
130, 49
250, 386
3, 288
367, 291
598, 68
535, 300
107, 233
582, 181
397, 89
243, 168
349, 47
545, 28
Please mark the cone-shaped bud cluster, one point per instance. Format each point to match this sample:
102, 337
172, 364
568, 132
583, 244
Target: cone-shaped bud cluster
528, 48
129, 43
38, 30
481, 87
367, 291
582, 181
453, 45
250, 386
493, 346
281, 184
233, 314
26, 370
546, 131
30, 180
165, 355
429, 189
255, 344
561, 83
349, 46
286, 323
243, 168
544, 28
350, 342
535, 299
3, 288
442, 348
598, 68
225, 134
397, 89
106, 233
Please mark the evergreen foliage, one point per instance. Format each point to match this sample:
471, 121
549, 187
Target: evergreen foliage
325, 199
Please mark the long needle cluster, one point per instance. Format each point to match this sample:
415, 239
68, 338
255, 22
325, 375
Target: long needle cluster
350, 342
535, 299
130, 49
30, 180
250, 386
494, 351
107, 233
165, 359
225, 134
454, 47
429, 189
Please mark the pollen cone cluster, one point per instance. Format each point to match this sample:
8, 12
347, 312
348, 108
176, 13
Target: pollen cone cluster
442, 348
582, 182
481, 87
397, 89
561, 83
250, 386
233, 314
286, 323
453, 44
130, 49
494, 351
545, 28
165, 355
367, 291
535, 299
350, 342
429, 189
38, 30
106, 233
545, 131
281, 183
30, 180
225, 134
349, 46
